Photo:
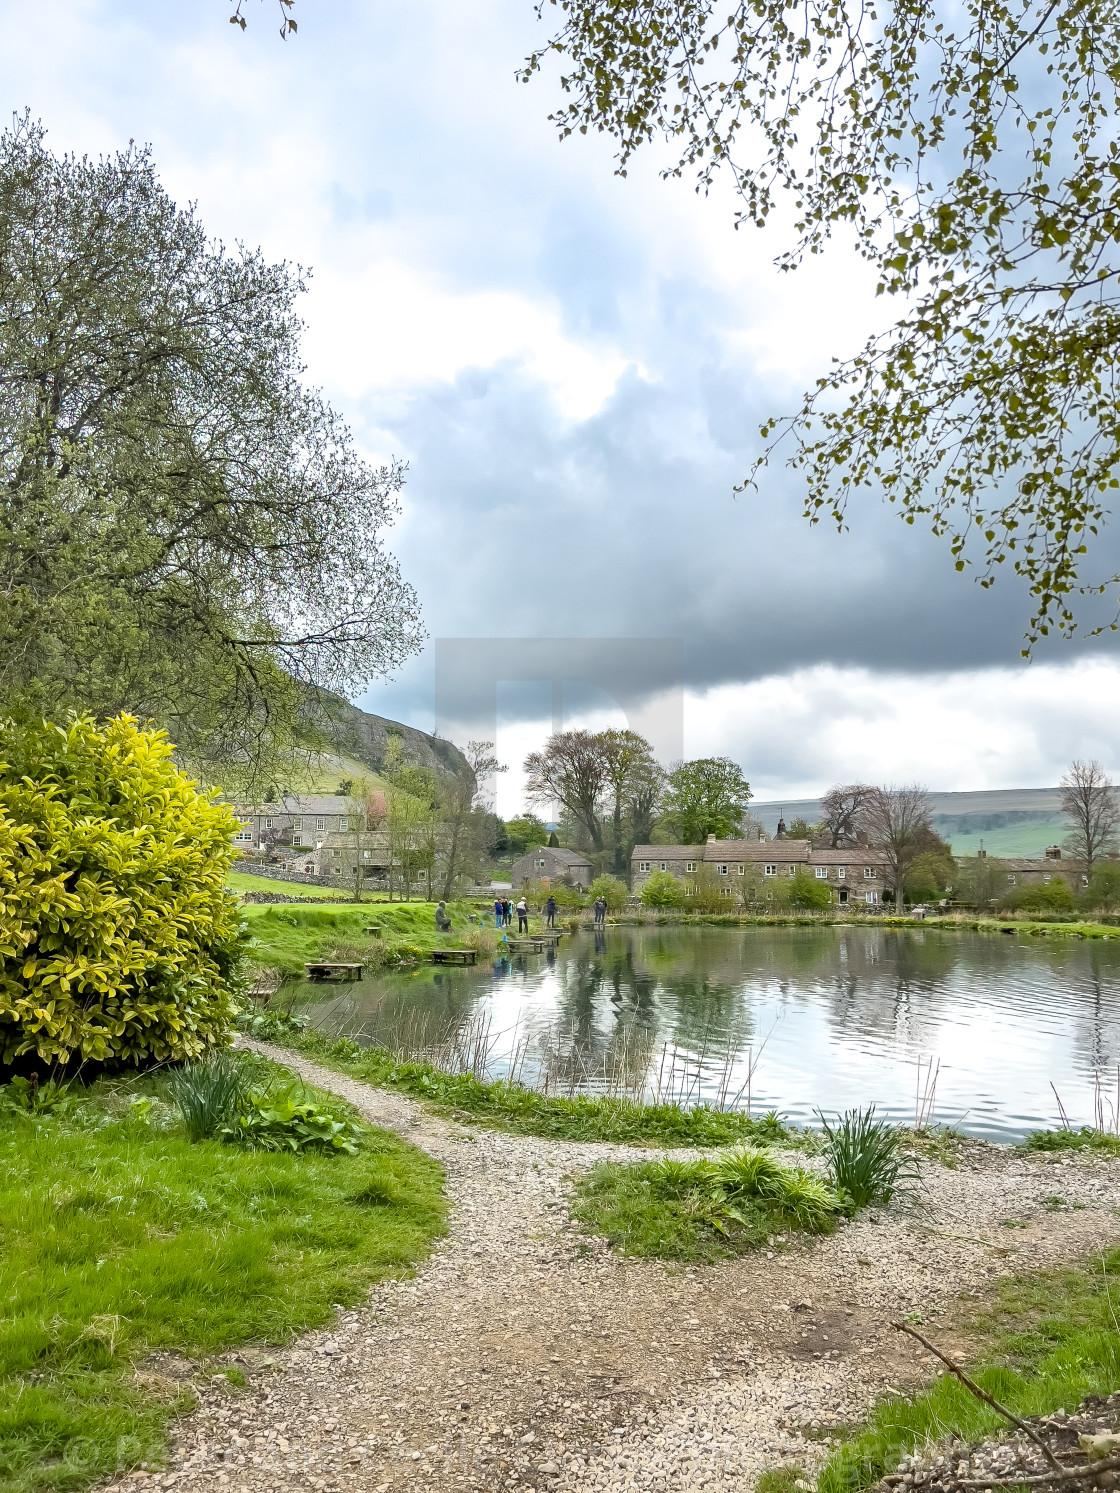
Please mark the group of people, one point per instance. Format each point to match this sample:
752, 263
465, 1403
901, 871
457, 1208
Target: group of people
504, 911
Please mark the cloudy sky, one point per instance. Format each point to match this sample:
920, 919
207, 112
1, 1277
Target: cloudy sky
574, 366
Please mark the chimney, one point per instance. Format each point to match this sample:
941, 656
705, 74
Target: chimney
711, 839
1053, 852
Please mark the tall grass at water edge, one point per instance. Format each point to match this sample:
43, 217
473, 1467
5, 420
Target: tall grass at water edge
465, 1090
867, 1157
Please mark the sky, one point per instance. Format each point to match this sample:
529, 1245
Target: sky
574, 365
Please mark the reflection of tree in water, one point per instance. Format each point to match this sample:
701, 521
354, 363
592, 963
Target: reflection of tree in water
401, 1012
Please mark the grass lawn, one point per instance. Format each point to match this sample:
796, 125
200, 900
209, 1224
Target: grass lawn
286, 936
241, 881
119, 1237
1048, 1340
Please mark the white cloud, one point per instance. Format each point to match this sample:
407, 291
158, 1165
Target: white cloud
796, 734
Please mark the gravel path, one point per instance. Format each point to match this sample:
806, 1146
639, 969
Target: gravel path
523, 1354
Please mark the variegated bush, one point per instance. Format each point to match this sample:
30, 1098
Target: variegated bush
119, 940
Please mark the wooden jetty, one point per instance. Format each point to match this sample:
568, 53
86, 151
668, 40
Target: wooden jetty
334, 971
454, 956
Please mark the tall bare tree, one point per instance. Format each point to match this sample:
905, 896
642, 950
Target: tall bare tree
627, 764
1088, 799
460, 797
844, 812
571, 770
899, 822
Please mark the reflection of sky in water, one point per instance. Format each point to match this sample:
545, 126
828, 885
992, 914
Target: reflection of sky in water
834, 1016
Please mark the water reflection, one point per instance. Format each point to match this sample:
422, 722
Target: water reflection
831, 1016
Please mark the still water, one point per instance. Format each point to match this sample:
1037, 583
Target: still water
792, 1019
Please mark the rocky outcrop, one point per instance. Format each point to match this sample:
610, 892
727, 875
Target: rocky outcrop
365, 737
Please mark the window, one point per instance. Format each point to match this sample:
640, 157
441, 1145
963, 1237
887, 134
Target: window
791, 870
1046, 881
725, 891
871, 898
320, 824
344, 824
742, 869
841, 873
1011, 881
297, 824
1084, 881
540, 866
245, 837
869, 873
367, 855
689, 867
297, 839
268, 824
769, 870
822, 873
663, 865
336, 853
722, 870
642, 865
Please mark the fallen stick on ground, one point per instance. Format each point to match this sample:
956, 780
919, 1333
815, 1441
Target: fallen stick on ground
982, 1394
1066, 1475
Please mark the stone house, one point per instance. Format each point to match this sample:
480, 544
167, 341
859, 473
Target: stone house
300, 821
853, 874
1022, 870
554, 863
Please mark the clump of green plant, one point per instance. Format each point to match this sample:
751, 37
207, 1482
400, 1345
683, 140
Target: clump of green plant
207, 1094
781, 1480
35, 1098
283, 1122
217, 1100
1082, 1139
119, 940
702, 1210
867, 1158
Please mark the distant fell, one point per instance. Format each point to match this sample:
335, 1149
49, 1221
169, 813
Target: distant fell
364, 737
1007, 821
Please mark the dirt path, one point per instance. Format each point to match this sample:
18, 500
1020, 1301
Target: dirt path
524, 1355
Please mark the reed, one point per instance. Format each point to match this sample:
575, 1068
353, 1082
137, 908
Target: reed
867, 1158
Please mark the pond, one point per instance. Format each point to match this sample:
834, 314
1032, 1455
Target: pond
973, 1029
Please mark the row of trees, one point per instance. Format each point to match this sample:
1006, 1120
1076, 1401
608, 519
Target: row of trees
615, 795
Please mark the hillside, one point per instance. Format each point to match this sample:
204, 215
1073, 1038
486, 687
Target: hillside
1009, 821
361, 738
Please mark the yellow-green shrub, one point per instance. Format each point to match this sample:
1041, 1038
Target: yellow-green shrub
118, 937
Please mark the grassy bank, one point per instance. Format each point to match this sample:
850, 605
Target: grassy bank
1048, 1340
286, 937
241, 881
847, 918
507, 1106
120, 1237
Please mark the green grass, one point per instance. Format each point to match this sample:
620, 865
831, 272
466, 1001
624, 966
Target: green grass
241, 881
507, 1106
119, 1237
1083, 1139
700, 1210
780, 1479
1048, 1340
287, 937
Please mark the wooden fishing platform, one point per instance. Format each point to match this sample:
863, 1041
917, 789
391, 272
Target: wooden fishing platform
538, 942
454, 956
334, 971
373, 931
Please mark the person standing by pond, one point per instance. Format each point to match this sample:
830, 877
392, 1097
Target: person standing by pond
522, 916
600, 911
507, 912
550, 912
497, 912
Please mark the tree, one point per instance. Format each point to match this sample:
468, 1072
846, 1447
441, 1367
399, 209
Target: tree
809, 894
982, 880
1104, 886
844, 811
1089, 801
187, 532
662, 889
523, 834
971, 154
899, 822
707, 796
287, 21
612, 891
629, 769
460, 796
571, 770
409, 827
